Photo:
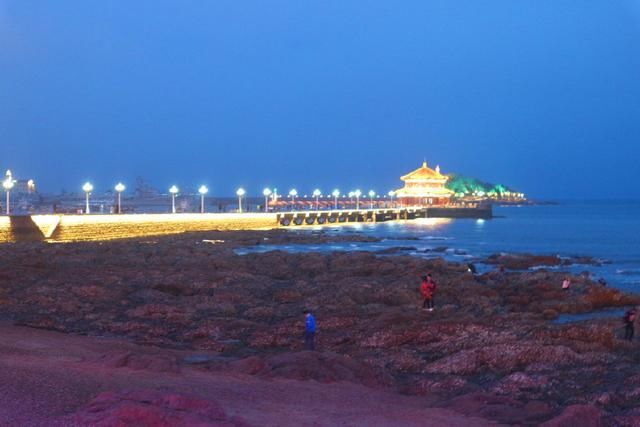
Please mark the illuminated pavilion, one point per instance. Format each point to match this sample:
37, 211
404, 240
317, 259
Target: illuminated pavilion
424, 186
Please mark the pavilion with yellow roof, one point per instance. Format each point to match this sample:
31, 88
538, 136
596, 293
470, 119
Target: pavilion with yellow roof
424, 186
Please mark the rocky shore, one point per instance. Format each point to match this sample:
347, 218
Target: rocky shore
489, 353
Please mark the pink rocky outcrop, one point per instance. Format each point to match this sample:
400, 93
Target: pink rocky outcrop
152, 409
576, 415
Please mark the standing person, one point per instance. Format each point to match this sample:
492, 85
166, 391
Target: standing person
629, 319
427, 288
566, 283
309, 330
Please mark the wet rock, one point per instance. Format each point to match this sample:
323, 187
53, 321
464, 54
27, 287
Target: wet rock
523, 261
396, 249
576, 415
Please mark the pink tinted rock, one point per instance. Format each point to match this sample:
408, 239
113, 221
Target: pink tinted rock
151, 362
249, 365
179, 402
576, 415
324, 367
148, 408
536, 409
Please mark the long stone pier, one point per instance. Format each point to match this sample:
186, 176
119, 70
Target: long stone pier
67, 228
346, 216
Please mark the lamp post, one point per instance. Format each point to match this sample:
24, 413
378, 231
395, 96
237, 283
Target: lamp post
293, 193
335, 194
266, 193
7, 184
357, 193
371, 196
391, 194
202, 190
316, 194
240, 193
173, 190
87, 188
119, 189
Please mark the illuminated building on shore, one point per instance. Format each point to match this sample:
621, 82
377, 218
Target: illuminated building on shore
424, 186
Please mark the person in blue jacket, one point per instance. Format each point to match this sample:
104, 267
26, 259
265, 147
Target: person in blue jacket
309, 330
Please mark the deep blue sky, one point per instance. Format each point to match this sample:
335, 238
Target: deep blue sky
543, 95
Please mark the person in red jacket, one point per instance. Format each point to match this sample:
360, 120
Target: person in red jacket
427, 289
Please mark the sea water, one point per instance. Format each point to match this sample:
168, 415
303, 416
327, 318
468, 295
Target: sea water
608, 231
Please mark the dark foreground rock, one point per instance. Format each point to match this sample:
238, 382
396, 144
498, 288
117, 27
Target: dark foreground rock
489, 335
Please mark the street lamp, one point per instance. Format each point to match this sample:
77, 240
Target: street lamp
266, 193
316, 194
87, 188
119, 189
357, 193
371, 196
293, 193
202, 190
391, 194
335, 194
7, 184
240, 193
173, 190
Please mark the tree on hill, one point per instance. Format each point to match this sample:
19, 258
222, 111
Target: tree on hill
463, 185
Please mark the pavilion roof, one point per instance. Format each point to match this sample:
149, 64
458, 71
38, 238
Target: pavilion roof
424, 173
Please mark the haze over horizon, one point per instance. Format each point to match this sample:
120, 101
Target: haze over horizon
541, 96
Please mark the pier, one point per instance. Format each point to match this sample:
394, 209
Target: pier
346, 216
333, 217
66, 228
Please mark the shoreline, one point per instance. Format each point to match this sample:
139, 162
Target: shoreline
490, 337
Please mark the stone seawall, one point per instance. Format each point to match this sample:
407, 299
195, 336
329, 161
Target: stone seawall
65, 228
5, 229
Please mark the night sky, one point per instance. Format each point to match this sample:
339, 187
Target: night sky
540, 95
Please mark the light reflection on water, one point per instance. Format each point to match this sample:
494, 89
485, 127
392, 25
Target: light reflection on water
605, 231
